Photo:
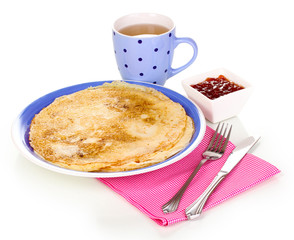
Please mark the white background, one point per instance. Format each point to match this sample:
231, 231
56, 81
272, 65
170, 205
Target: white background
47, 45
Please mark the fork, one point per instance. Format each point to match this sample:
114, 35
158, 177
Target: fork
214, 151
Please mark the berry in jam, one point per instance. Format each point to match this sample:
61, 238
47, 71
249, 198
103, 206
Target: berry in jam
216, 87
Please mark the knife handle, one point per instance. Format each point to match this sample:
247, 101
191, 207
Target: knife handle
194, 210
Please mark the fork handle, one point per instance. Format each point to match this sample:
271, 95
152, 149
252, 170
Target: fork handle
173, 203
195, 209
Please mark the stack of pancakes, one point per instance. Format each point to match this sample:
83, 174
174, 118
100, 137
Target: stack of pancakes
113, 127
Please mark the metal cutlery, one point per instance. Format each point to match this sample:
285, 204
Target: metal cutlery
194, 210
214, 151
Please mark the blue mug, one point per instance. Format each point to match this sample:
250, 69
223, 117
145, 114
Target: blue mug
142, 54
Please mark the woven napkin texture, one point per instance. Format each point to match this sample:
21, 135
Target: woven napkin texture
149, 191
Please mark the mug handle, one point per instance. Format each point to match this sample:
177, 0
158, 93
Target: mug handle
191, 42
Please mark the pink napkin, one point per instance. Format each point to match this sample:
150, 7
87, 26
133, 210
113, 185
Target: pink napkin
149, 191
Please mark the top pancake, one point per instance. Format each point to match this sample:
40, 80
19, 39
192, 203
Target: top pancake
113, 127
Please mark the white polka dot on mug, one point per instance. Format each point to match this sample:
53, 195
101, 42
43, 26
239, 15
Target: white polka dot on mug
144, 45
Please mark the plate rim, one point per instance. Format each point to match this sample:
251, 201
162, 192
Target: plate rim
17, 136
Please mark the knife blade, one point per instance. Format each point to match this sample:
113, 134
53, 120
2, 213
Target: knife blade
239, 152
194, 210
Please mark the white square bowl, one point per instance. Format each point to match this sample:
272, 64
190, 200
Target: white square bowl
221, 108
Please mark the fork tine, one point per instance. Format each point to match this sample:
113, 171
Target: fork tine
227, 140
213, 137
218, 140
221, 139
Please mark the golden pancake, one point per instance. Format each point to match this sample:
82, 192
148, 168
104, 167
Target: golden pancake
113, 127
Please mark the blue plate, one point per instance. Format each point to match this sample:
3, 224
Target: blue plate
21, 127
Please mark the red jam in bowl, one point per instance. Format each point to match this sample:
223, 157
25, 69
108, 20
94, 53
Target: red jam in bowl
216, 87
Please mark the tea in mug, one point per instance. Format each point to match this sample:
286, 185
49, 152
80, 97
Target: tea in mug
141, 29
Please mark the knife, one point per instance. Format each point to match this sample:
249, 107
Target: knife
194, 210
